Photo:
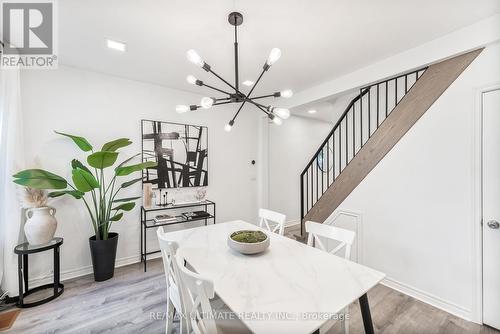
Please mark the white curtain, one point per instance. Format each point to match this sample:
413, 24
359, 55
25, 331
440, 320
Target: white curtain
11, 161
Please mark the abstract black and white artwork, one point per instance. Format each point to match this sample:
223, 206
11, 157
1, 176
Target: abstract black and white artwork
181, 151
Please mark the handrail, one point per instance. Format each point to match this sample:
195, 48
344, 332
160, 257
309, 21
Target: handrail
312, 182
341, 118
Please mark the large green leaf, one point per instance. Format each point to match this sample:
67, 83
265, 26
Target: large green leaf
81, 142
75, 193
77, 164
126, 199
131, 182
125, 206
126, 170
127, 160
40, 179
116, 217
102, 159
83, 180
112, 146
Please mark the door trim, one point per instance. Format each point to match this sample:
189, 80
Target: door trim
477, 202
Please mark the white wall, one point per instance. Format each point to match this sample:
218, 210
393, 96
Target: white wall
291, 146
484, 32
101, 108
418, 204
289, 149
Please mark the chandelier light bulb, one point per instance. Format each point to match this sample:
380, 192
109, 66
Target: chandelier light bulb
282, 112
286, 93
207, 102
228, 126
181, 108
277, 121
274, 55
195, 58
191, 79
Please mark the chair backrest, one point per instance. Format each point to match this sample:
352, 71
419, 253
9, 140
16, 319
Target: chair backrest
268, 216
168, 249
196, 293
316, 231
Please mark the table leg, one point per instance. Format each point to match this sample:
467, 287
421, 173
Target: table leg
365, 312
142, 220
25, 272
145, 249
56, 270
20, 277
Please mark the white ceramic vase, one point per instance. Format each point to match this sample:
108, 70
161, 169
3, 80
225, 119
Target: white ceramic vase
40, 225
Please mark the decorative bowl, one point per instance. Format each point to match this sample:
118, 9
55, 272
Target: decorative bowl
248, 241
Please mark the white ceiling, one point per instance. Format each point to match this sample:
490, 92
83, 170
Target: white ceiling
319, 39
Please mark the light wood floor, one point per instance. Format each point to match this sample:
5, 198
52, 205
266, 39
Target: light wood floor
129, 302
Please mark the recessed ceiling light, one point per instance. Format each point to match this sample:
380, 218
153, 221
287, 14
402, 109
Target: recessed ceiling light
312, 111
248, 83
115, 45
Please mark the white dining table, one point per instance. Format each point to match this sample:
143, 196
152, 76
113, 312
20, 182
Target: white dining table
290, 288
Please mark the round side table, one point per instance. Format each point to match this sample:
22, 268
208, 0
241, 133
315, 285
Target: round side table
22, 251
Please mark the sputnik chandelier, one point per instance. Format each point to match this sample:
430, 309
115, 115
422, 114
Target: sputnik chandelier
235, 95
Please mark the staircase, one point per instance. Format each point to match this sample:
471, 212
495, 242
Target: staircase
373, 122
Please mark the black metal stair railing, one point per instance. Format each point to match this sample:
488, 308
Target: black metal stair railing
362, 117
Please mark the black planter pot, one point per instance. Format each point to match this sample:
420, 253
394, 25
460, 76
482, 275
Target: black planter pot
103, 254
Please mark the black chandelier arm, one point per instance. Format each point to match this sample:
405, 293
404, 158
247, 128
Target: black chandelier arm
216, 103
222, 99
227, 83
236, 70
215, 88
261, 107
255, 84
277, 94
222, 102
237, 112
258, 105
247, 97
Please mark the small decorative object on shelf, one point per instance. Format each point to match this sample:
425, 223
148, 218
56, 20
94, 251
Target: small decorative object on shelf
248, 242
162, 219
200, 194
162, 197
147, 194
195, 214
41, 224
22, 251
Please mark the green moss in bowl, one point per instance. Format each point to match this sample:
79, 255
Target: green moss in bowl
249, 237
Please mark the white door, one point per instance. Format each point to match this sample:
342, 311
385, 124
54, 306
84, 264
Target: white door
491, 208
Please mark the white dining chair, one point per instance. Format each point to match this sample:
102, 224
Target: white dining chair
198, 296
344, 237
168, 251
272, 221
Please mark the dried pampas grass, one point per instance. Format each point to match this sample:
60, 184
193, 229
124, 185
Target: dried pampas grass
33, 198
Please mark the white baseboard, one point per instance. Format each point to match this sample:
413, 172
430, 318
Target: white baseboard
428, 298
79, 272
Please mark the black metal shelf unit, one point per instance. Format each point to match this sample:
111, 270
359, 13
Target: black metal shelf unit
147, 223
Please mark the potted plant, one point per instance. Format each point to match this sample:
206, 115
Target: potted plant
98, 191
40, 223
